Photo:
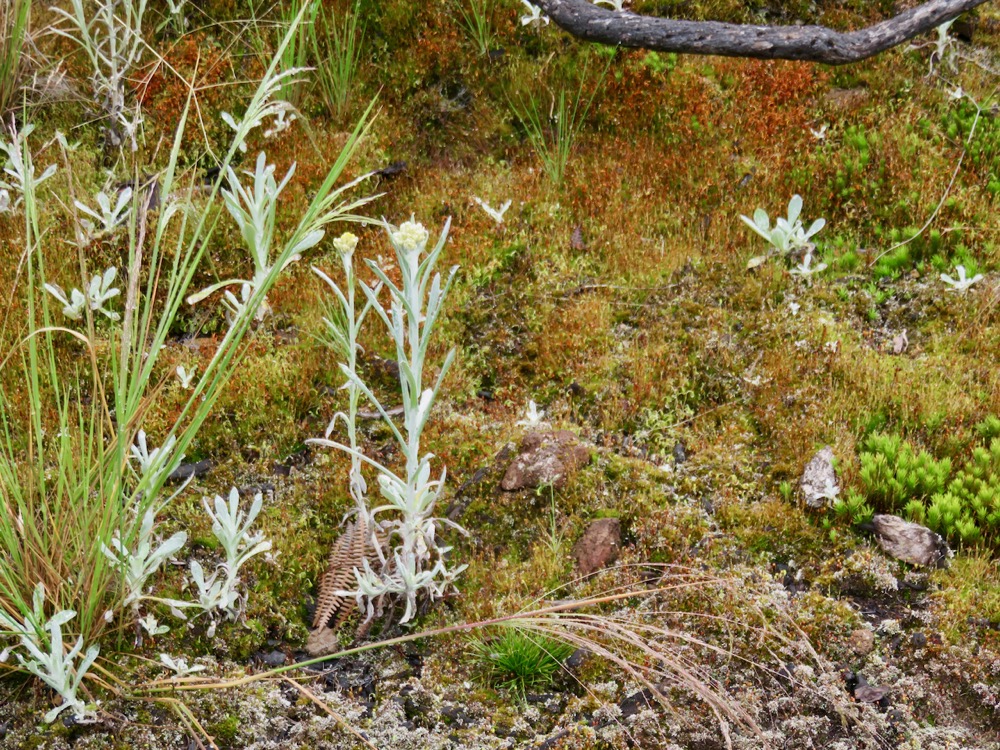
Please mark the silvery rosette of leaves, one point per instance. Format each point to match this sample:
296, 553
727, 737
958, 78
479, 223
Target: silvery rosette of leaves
787, 236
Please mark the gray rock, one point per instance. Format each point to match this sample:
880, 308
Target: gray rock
454, 714
599, 545
865, 693
545, 458
680, 453
274, 658
819, 480
910, 542
186, 471
871, 694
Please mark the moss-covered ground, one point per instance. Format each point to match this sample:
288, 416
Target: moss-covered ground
620, 302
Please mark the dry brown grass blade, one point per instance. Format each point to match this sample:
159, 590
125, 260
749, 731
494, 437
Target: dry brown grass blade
191, 723
664, 658
329, 711
661, 657
675, 670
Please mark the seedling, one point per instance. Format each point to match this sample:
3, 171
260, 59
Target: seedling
138, 566
185, 377
494, 213
534, 15
806, 269
99, 291
788, 234
532, 417
107, 217
49, 661
179, 665
961, 283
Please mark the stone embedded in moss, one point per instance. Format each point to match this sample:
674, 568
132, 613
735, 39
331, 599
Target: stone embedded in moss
545, 459
599, 545
910, 542
819, 480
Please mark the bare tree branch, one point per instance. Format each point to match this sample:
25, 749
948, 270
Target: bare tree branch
590, 22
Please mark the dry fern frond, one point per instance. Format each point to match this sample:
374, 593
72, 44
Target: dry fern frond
349, 552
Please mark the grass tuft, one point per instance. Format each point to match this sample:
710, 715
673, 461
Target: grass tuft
15, 16
519, 660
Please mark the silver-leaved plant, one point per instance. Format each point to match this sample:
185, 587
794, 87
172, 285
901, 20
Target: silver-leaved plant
788, 234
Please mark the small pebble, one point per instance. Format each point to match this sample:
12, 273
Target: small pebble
862, 641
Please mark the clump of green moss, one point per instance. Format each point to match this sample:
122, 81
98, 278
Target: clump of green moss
225, 730
962, 504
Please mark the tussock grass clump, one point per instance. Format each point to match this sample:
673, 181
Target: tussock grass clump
518, 660
476, 17
337, 44
553, 127
14, 20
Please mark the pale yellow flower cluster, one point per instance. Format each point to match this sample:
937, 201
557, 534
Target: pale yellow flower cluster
346, 243
411, 237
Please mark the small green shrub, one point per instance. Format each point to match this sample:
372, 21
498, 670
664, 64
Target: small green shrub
984, 148
854, 160
892, 264
848, 262
658, 63
518, 660
878, 296
939, 249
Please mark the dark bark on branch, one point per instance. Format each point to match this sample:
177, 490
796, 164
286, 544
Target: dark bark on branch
594, 23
